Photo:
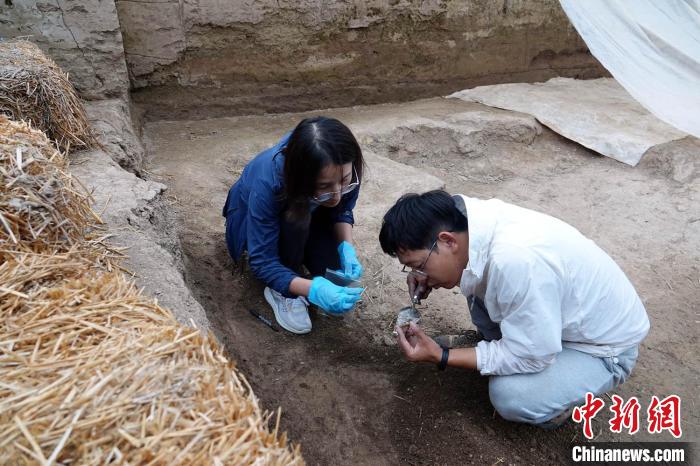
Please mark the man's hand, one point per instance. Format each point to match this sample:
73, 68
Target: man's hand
416, 288
417, 346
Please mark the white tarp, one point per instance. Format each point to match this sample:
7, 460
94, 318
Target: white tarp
597, 113
651, 47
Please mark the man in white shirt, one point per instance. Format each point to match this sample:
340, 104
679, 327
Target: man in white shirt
557, 315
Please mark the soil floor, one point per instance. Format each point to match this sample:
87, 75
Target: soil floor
346, 393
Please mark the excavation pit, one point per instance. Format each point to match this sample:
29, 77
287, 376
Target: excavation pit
347, 395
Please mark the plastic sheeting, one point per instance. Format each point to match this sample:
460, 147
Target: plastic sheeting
596, 113
652, 48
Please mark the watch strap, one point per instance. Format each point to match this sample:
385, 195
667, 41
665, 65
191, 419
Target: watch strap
445, 356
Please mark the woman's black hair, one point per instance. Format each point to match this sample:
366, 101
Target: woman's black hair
415, 220
314, 144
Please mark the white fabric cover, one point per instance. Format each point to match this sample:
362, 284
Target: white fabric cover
596, 113
651, 47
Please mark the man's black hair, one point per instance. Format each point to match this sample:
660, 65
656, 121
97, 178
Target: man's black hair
415, 220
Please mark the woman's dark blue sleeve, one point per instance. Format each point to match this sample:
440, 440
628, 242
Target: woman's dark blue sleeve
263, 239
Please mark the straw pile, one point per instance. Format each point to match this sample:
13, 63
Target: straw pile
34, 89
91, 371
40, 205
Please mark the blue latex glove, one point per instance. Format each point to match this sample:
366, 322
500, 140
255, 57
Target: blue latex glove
349, 264
333, 298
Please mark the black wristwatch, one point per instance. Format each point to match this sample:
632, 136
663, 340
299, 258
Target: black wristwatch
443, 360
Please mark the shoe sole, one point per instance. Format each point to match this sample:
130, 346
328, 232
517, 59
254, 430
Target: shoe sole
271, 301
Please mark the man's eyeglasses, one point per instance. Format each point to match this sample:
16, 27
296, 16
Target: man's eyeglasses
418, 271
343, 191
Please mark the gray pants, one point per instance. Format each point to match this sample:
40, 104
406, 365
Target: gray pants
536, 398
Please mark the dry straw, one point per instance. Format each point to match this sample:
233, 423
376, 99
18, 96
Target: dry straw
91, 371
40, 204
34, 89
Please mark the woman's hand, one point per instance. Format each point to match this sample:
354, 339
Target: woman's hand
416, 345
349, 263
333, 298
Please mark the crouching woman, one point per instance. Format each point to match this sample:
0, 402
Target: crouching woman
292, 207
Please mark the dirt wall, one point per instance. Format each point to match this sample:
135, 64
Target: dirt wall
193, 58
82, 36
253, 56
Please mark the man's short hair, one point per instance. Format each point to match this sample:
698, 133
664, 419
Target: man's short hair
415, 220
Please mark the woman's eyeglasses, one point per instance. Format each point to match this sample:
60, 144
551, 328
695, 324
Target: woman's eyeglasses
325, 197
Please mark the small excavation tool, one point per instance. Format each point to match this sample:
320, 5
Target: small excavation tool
340, 279
263, 319
416, 295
